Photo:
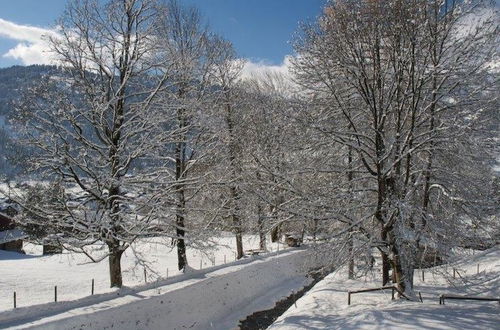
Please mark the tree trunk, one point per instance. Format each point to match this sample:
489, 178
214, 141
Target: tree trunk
237, 222
260, 224
115, 269
350, 176
235, 175
397, 272
181, 244
180, 175
351, 258
239, 245
385, 268
275, 233
235, 197
315, 229
385, 260
181, 207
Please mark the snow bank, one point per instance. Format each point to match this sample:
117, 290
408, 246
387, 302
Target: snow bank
210, 299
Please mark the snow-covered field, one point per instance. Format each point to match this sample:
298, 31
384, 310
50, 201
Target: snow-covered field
215, 298
325, 306
34, 276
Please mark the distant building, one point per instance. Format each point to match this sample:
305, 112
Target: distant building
11, 239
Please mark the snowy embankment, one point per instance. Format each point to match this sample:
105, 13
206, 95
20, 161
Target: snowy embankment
33, 276
325, 306
212, 298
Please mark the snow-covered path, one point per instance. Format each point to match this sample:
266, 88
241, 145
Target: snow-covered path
325, 306
215, 298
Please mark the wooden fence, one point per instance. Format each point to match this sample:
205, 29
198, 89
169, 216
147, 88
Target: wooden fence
456, 297
392, 288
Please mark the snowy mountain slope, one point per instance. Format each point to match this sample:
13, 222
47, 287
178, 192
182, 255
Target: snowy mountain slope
325, 306
14, 82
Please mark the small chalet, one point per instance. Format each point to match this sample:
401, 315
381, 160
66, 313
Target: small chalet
11, 239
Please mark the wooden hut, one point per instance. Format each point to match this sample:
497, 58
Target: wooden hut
11, 239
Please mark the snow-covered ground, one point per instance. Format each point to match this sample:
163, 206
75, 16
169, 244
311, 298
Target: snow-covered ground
34, 276
325, 306
215, 298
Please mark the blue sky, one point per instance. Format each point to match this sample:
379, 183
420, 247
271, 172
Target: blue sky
259, 29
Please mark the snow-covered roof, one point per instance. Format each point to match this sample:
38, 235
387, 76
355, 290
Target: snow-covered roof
11, 235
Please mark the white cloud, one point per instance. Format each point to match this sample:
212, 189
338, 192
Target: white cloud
35, 53
253, 70
32, 47
272, 78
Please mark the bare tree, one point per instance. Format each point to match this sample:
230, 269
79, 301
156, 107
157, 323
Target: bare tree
187, 59
269, 148
225, 74
395, 83
96, 128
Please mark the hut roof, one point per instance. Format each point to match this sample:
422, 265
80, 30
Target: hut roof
7, 236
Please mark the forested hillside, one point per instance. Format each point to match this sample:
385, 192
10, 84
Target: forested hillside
14, 81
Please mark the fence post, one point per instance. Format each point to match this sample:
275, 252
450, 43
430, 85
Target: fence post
145, 279
92, 291
348, 298
392, 293
423, 276
420, 296
478, 268
15, 302
454, 273
224, 258
55, 293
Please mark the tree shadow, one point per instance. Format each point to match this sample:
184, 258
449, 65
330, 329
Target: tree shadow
11, 255
429, 317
